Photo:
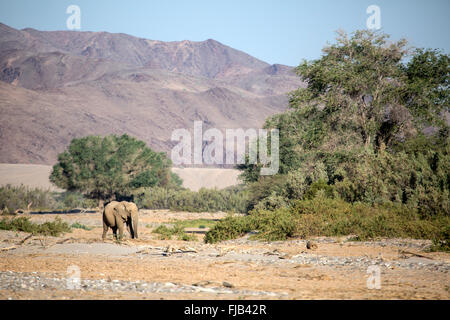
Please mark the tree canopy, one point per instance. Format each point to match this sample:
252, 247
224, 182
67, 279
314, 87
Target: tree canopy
370, 122
111, 167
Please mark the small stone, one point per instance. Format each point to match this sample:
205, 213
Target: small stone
227, 284
169, 284
201, 283
311, 245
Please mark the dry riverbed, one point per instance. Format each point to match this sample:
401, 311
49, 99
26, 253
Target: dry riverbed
150, 268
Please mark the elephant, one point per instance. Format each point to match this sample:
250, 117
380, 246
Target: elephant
115, 214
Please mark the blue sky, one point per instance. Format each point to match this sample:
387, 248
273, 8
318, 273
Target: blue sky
283, 31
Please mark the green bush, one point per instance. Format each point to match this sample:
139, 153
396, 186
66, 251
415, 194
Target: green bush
320, 185
196, 223
13, 198
229, 228
322, 216
232, 199
269, 226
265, 187
166, 233
53, 228
334, 217
441, 242
78, 225
72, 200
273, 225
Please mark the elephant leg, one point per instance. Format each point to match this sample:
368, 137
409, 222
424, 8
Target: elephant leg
114, 229
105, 230
130, 231
120, 226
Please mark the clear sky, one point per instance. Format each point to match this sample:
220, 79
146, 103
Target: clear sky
283, 31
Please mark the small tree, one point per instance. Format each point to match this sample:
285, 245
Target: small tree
107, 168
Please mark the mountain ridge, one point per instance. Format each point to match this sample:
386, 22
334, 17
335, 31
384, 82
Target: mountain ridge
59, 85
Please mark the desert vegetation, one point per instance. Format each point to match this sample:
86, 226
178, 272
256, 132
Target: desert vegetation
364, 148
177, 228
364, 151
231, 199
24, 198
53, 228
106, 168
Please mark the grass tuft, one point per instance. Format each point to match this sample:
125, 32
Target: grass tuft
78, 225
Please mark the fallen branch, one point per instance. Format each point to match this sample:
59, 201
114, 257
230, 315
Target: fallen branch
416, 254
8, 248
26, 238
169, 250
64, 240
185, 251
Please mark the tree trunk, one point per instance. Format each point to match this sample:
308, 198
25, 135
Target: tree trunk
101, 204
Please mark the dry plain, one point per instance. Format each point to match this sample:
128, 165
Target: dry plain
151, 268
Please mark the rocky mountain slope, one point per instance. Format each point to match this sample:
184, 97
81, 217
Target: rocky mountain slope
59, 85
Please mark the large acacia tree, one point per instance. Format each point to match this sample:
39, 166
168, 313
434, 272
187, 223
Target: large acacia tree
359, 122
362, 85
110, 167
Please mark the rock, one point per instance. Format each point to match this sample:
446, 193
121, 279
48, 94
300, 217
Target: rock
311, 245
170, 249
169, 284
202, 283
227, 284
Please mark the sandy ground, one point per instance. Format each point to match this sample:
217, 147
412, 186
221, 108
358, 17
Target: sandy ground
235, 269
33, 175
193, 178
196, 178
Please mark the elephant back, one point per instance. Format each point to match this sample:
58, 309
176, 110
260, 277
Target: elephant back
111, 205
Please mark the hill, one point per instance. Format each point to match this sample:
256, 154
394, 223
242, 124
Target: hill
56, 86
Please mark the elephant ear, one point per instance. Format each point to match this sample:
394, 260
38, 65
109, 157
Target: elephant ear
130, 206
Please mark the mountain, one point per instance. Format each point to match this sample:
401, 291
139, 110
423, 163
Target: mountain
59, 85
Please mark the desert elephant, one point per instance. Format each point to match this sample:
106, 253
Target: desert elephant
115, 214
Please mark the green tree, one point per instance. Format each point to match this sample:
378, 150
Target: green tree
358, 125
426, 91
355, 88
110, 167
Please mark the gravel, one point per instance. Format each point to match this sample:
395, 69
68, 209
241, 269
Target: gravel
404, 243
364, 263
361, 263
17, 281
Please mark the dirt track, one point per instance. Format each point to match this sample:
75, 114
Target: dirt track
149, 268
